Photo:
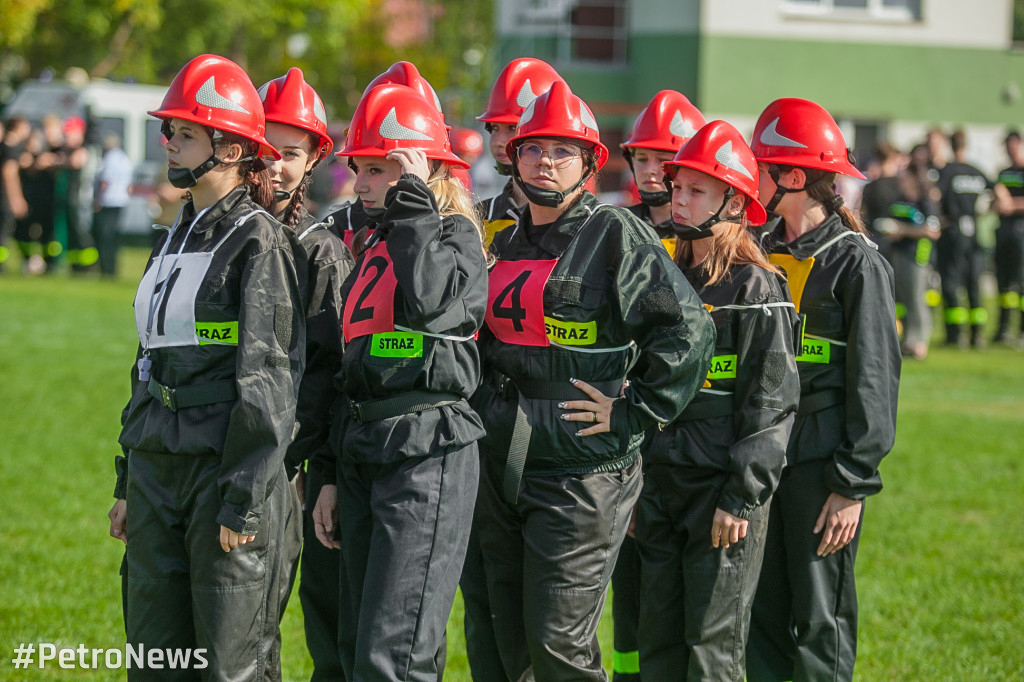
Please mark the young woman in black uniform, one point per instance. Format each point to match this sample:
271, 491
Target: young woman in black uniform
214, 386
297, 127
407, 457
710, 474
668, 121
658, 132
582, 297
804, 621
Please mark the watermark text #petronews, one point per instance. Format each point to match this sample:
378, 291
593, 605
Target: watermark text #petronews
32, 655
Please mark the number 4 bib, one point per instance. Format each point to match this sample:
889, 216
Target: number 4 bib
515, 301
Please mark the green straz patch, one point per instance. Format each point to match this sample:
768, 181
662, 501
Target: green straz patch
723, 367
397, 345
815, 350
571, 333
217, 333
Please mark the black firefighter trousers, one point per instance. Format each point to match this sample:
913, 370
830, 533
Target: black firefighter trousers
184, 591
404, 530
804, 622
549, 559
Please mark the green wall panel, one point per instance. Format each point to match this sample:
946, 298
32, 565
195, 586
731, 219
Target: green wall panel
742, 75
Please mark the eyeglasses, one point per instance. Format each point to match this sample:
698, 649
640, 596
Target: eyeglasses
560, 156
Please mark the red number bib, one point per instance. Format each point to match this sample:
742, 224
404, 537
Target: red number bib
370, 307
515, 301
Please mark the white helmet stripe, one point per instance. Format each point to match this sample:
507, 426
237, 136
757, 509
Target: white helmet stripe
393, 130
587, 117
318, 110
730, 159
527, 114
773, 138
680, 127
526, 95
208, 96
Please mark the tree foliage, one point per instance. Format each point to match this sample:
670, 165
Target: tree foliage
340, 44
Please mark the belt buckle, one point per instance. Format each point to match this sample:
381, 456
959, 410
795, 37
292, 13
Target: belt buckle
353, 409
504, 382
167, 398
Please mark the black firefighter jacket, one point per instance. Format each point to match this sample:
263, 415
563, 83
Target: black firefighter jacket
441, 291
614, 274
849, 310
252, 290
329, 262
754, 376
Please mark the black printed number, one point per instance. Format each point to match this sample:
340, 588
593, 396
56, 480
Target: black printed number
167, 285
515, 310
359, 313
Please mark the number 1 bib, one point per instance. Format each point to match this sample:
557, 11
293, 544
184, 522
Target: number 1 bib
370, 307
515, 301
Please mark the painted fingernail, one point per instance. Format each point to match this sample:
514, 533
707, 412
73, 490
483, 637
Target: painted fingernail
573, 381
579, 433
561, 405
564, 415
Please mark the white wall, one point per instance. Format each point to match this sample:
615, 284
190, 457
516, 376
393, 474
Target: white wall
945, 23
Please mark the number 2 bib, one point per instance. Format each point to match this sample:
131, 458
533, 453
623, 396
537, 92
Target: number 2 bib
515, 301
370, 307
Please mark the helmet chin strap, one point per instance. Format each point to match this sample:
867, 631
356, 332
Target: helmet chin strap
653, 199
551, 198
183, 178
504, 169
702, 231
781, 191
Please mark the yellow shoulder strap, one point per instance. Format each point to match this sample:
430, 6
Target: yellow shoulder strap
797, 272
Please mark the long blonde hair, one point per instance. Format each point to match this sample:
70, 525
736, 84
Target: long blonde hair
731, 244
454, 199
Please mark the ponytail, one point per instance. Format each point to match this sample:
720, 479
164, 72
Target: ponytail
295, 209
822, 188
454, 199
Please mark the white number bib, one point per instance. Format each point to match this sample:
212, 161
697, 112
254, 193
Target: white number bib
172, 286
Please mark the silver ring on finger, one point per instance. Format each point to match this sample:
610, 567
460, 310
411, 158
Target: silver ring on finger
595, 415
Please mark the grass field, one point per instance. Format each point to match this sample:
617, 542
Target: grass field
940, 571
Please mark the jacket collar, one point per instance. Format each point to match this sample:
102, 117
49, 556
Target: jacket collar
809, 242
228, 203
559, 234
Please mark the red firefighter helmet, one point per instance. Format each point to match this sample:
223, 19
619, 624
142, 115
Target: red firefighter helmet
518, 84
406, 73
666, 124
719, 150
392, 116
561, 114
798, 132
466, 142
292, 101
213, 91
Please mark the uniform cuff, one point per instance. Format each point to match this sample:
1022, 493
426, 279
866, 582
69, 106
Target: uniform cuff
121, 469
237, 520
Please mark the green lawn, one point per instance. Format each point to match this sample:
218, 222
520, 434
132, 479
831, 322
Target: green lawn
941, 574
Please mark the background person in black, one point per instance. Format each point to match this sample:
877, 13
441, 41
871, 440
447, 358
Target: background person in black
297, 128
804, 620
37, 174
212, 411
406, 459
713, 470
582, 297
1009, 250
668, 121
959, 255
12, 201
901, 211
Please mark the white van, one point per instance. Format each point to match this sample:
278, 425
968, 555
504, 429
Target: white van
108, 107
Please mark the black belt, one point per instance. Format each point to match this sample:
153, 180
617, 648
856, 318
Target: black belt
816, 402
193, 395
531, 389
717, 406
404, 403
